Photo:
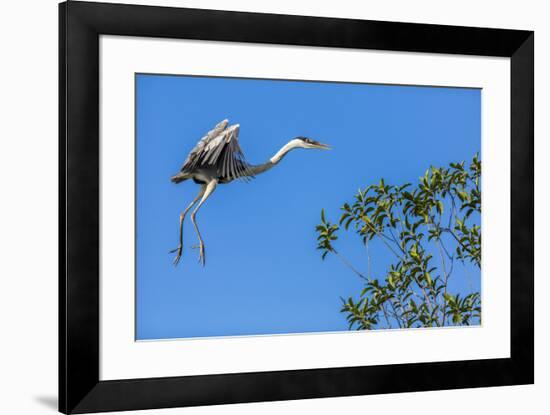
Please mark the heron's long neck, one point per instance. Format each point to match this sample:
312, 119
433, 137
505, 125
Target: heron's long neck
273, 161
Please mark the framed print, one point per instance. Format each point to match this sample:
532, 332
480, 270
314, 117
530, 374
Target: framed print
260, 207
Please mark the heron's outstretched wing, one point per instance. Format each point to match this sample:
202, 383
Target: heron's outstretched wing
193, 160
220, 149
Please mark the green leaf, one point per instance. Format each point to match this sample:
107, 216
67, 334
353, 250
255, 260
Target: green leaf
439, 207
428, 278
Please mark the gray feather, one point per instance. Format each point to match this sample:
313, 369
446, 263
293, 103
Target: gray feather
219, 148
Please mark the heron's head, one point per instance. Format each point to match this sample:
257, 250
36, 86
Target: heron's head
304, 142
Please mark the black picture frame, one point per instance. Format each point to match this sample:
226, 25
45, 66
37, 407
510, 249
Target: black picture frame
80, 25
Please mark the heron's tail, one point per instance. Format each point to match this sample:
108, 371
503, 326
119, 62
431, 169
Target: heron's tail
180, 177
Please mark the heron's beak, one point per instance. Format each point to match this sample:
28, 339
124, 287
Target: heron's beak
322, 146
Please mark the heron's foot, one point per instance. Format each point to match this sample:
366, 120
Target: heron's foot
178, 255
202, 255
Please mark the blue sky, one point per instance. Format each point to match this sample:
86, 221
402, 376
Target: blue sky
263, 274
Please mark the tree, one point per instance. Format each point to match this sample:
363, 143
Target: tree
426, 229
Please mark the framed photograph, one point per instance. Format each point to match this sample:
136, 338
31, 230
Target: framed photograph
259, 207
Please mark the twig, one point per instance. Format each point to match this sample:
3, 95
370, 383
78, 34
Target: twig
382, 236
348, 264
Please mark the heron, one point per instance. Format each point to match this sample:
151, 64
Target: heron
218, 159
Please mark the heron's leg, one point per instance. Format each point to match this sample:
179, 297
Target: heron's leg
182, 217
209, 189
